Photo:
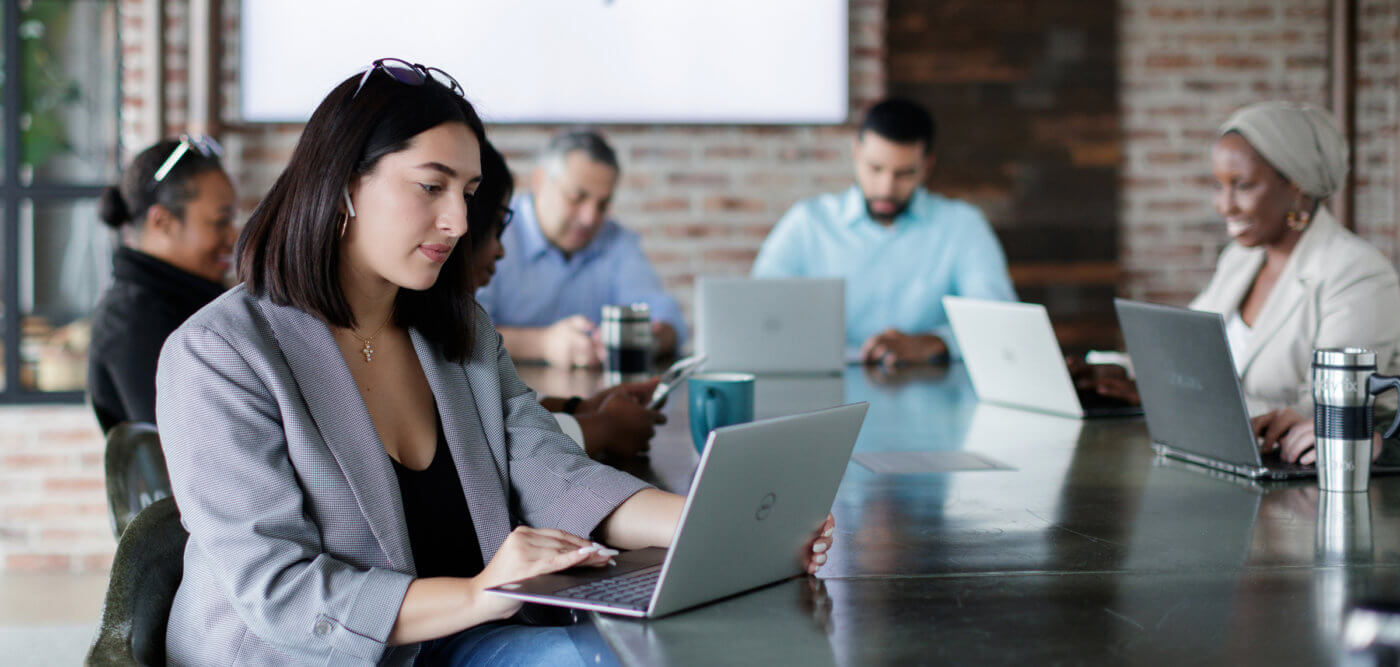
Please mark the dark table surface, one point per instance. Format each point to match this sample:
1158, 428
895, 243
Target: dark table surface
1073, 543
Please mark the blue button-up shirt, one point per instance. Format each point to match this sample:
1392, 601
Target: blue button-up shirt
536, 285
896, 275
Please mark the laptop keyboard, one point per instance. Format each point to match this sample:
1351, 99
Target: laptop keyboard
632, 590
1274, 462
1090, 399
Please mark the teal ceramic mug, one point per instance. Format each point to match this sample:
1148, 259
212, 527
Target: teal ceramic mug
718, 399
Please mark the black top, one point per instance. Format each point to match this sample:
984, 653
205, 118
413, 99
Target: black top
147, 301
440, 527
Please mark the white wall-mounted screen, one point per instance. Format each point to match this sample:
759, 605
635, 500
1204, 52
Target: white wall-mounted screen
563, 61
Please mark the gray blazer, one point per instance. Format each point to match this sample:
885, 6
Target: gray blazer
298, 550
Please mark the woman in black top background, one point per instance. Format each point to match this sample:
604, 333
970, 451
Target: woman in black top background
174, 213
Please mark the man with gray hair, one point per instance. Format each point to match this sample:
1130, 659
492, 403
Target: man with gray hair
565, 260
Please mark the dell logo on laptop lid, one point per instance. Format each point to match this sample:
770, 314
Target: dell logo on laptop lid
765, 506
1183, 381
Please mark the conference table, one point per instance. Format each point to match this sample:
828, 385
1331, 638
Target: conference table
971, 533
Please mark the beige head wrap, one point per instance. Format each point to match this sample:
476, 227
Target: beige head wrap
1302, 142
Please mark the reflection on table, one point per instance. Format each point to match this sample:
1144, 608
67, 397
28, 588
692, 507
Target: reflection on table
1083, 546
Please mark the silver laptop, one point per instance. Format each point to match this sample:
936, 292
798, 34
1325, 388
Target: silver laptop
760, 491
1013, 359
771, 325
1195, 406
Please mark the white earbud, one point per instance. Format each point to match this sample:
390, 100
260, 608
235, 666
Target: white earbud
349, 206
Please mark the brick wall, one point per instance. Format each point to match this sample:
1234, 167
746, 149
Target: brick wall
53, 508
1378, 124
1185, 66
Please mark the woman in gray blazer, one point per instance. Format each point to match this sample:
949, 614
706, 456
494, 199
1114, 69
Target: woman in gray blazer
352, 452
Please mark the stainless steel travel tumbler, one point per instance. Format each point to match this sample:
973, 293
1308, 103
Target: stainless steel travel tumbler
1344, 382
627, 342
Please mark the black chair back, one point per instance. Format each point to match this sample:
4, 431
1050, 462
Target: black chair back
145, 575
136, 474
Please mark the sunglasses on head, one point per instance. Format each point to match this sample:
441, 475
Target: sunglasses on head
203, 144
411, 74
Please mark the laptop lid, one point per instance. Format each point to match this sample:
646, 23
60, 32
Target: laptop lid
771, 325
1012, 355
760, 491
1186, 378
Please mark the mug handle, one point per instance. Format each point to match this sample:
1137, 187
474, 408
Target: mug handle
1379, 383
712, 398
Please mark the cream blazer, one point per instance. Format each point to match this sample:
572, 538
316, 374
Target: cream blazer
1336, 290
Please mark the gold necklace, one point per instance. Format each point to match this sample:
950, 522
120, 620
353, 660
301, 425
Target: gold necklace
368, 350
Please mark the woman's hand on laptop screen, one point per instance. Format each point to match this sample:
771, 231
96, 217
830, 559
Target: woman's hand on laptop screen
822, 539
1109, 380
1291, 434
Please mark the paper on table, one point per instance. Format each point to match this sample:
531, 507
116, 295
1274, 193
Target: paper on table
922, 463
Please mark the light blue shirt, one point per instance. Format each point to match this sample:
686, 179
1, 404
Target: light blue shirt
896, 276
536, 285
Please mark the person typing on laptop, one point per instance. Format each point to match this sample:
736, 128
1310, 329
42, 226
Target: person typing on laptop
565, 259
355, 458
899, 247
1292, 279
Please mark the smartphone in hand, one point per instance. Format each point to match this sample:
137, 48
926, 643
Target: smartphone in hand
673, 377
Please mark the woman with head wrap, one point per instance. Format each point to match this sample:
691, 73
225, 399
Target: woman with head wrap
1292, 278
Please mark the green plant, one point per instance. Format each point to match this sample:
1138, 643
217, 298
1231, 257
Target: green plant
46, 89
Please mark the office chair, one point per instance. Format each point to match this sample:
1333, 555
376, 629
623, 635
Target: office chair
135, 471
145, 575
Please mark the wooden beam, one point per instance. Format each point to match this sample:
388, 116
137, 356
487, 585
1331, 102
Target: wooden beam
1044, 274
1342, 54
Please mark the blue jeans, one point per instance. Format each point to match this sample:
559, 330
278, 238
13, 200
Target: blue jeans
506, 644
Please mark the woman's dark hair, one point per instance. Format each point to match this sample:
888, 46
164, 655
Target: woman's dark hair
127, 203
290, 251
497, 186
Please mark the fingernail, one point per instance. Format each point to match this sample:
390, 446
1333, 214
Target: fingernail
829, 530
612, 561
608, 552
819, 559
819, 547
589, 549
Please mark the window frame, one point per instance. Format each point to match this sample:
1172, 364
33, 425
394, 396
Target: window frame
13, 192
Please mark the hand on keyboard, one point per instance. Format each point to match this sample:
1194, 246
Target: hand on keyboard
529, 552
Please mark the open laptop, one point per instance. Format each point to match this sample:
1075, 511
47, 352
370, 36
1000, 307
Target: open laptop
1195, 405
760, 491
1013, 359
771, 325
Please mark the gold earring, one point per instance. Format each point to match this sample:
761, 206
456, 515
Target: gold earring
1297, 220
344, 222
